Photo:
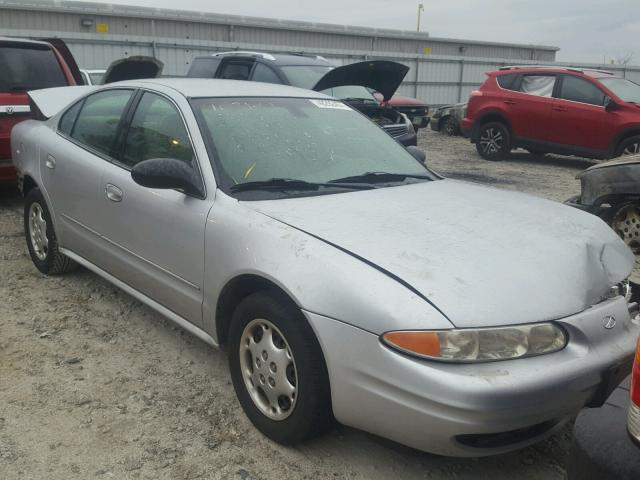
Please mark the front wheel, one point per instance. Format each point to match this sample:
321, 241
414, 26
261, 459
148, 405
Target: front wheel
41, 237
494, 141
278, 369
626, 223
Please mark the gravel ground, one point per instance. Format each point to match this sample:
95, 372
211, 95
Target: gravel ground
95, 385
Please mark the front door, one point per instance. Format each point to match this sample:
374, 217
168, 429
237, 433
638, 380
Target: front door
579, 117
156, 235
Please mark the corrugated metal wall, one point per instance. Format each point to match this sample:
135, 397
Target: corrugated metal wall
450, 71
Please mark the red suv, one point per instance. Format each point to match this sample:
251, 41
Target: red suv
28, 65
561, 110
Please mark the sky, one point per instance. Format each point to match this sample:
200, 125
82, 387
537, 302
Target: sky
585, 30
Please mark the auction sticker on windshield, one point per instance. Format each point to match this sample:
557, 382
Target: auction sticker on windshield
329, 104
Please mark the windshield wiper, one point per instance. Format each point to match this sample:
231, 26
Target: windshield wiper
290, 184
380, 177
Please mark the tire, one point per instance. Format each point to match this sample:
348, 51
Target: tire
494, 141
41, 237
629, 146
267, 330
449, 126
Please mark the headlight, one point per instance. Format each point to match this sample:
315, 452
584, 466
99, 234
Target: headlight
479, 345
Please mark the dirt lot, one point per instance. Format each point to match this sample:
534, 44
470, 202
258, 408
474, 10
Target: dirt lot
95, 385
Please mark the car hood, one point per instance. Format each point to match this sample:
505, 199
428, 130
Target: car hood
482, 256
133, 68
624, 160
380, 75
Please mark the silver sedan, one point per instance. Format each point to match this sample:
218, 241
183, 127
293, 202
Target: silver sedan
346, 279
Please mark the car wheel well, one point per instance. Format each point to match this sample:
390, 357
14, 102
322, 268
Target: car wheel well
234, 292
494, 117
28, 184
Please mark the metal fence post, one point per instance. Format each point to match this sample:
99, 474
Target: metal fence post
460, 80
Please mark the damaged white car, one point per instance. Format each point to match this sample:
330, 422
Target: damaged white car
345, 278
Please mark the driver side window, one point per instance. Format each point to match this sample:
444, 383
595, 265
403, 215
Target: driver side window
156, 131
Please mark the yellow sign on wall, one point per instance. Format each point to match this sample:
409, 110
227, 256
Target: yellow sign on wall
102, 28
427, 50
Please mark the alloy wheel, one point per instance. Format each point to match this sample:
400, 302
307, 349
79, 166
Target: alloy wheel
268, 369
631, 149
626, 223
491, 140
38, 231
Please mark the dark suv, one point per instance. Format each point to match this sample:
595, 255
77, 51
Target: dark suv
352, 83
28, 65
561, 110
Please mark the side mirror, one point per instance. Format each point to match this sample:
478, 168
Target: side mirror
418, 154
167, 173
610, 104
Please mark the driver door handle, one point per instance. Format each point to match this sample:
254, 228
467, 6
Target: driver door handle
113, 193
50, 162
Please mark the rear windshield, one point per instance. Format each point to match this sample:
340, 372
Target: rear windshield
28, 68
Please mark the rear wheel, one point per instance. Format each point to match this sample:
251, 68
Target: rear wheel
629, 146
278, 369
494, 141
41, 237
449, 126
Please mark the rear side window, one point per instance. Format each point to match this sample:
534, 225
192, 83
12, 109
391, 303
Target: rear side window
539, 85
157, 131
236, 70
204, 67
28, 68
69, 119
579, 90
508, 82
263, 73
97, 123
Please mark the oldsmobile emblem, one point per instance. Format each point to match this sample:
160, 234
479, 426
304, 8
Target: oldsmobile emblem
609, 322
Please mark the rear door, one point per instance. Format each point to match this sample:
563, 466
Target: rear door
71, 165
579, 116
530, 106
156, 235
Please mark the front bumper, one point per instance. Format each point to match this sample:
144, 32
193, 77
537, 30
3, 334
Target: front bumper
472, 409
408, 139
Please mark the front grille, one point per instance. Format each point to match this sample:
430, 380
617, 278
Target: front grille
502, 439
396, 130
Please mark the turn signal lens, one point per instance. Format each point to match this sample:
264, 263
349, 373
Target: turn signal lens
479, 345
422, 343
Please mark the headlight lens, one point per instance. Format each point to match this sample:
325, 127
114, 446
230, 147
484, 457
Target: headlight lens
479, 345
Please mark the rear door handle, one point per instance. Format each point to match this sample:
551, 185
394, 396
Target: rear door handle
113, 193
50, 162
560, 109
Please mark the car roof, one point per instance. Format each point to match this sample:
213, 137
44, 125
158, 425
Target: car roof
555, 69
207, 87
23, 41
280, 59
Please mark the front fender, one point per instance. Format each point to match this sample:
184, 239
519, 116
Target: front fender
318, 277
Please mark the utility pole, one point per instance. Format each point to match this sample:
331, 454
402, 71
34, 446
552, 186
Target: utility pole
420, 10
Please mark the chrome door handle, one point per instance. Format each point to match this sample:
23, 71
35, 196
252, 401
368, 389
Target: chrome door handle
113, 193
50, 162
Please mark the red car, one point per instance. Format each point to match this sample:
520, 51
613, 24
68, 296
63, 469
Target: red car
561, 110
28, 65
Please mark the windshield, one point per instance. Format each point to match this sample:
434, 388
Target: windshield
626, 90
305, 76
28, 68
351, 92
258, 139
